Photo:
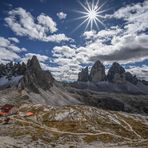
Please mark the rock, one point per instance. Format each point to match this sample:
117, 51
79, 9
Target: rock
116, 73
145, 82
83, 75
111, 104
35, 77
130, 78
97, 72
32, 75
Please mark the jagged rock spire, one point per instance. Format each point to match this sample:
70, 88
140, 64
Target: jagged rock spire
97, 72
83, 75
35, 77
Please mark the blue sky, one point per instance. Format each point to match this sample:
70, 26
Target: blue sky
47, 28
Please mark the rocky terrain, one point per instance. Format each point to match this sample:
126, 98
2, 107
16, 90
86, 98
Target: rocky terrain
20, 83
74, 126
116, 75
98, 110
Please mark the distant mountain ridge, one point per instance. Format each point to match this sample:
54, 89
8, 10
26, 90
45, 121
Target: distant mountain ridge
116, 74
116, 80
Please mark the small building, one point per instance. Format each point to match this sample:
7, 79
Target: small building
6, 108
6, 111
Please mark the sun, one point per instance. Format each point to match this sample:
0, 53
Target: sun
92, 15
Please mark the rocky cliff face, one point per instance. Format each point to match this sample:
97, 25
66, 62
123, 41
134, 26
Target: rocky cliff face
35, 77
83, 75
97, 72
116, 73
28, 83
28, 75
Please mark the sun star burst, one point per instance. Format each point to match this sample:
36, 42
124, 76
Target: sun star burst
92, 15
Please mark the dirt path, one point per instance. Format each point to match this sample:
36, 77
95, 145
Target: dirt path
70, 133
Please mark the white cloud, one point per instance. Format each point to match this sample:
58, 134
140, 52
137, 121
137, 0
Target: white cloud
8, 50
126, 44
135, 16
89, 34
24, 24
7, 55
64, 51
68, 65
61, 15
14, 39
41, 58
47, 23
140, 72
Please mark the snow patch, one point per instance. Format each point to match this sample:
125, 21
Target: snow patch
4, 81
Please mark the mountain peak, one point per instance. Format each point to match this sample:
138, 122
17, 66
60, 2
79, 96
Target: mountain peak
83, 75
30, 75
116, 73
97, 72
35, 77
33, 63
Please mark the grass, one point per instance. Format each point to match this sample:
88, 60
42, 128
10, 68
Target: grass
90, 138
139, 127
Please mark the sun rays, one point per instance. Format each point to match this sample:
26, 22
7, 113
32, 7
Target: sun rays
92, 15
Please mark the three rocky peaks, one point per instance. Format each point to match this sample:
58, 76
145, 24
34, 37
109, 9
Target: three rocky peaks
116, 74
34, 76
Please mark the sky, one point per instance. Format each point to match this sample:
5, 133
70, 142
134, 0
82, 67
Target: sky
61, 35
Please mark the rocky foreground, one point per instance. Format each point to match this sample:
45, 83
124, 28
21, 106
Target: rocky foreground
73, 126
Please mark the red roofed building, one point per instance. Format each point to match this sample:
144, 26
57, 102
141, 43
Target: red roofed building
6, 108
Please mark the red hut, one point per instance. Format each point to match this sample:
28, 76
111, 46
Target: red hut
5, 111
6, 108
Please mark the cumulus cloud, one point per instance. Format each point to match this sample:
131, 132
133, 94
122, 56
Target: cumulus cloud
68, 65
41, 58
63, 51
14, 39
24, 24
130, 48
135, 16
124, 44
9, 50
140, 72
61, 15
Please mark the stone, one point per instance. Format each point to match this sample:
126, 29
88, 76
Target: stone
130, 78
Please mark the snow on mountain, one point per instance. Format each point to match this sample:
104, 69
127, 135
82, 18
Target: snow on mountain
13, 81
